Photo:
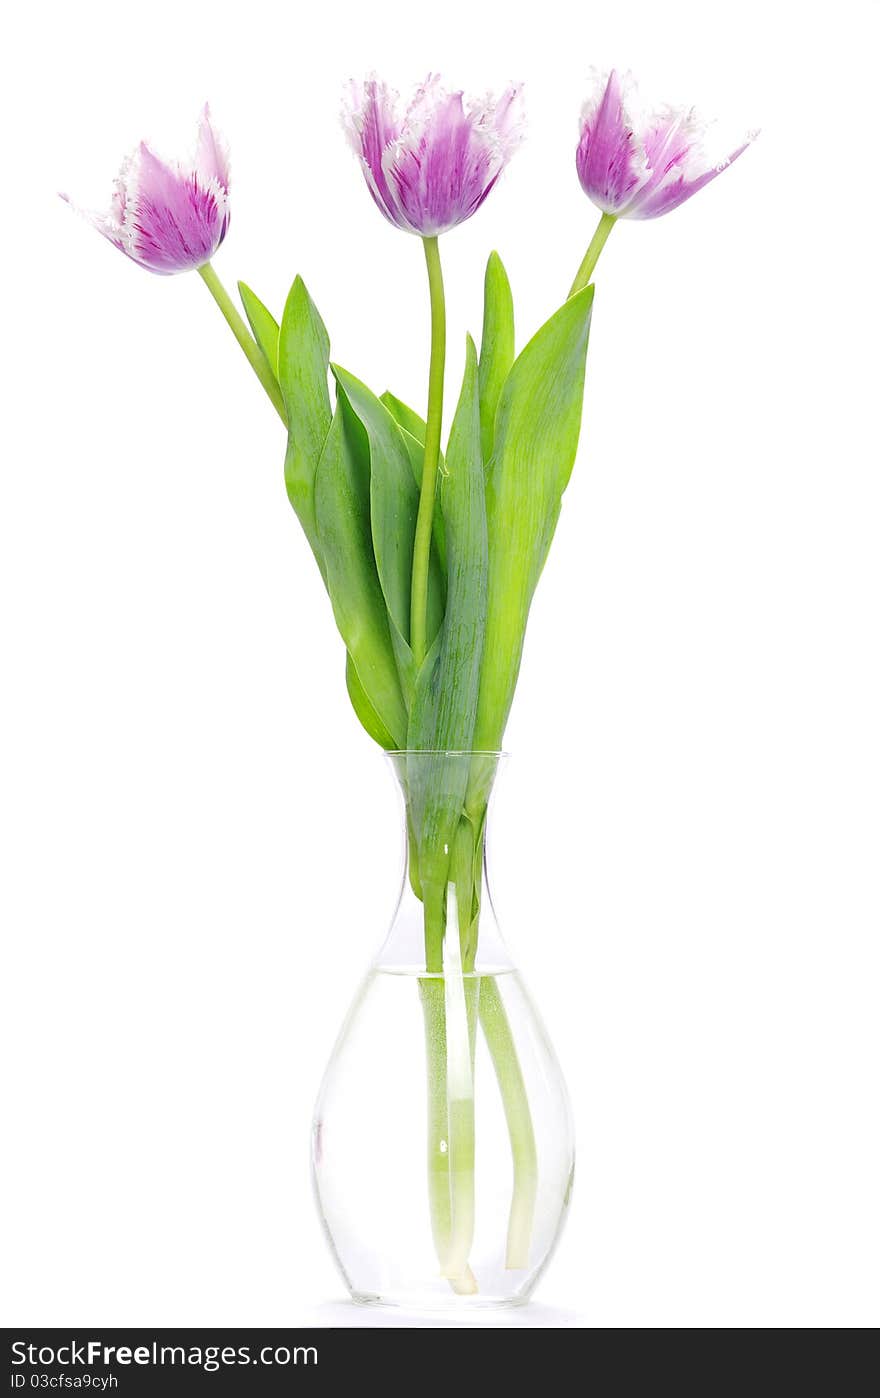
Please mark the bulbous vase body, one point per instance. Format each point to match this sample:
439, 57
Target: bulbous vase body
442, 1143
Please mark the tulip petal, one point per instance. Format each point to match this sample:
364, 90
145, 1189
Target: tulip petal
433, 168
681, 170
611, 160
169, 218
370, 122
212, 154
106, 225
506, 117
176, 220
634, 168
441, 173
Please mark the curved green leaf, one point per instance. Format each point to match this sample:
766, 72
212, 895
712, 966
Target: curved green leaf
303, 361
342, 513
412, 428
360, 702
394, 497
405, 417
536, 436
496, 347
415, 450
263, 324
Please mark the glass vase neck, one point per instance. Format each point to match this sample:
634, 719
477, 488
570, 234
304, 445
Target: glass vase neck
444, 921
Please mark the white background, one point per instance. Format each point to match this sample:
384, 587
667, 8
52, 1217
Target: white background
198, 842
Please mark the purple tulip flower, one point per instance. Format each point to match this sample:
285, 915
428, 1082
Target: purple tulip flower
431, 166
170, 218
634, 167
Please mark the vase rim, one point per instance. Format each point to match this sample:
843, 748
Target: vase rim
446, 752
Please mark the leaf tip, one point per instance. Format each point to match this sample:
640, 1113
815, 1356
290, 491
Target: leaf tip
298, 296
496, 271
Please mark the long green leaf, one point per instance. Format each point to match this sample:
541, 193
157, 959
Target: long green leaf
445, 704
413, 429
415, 450
496, 347
303, 362
536, 436
263, 324
367, 715
394, 497
437, 562
342, 512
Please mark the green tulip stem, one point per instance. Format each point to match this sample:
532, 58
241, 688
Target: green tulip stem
424, 522
591, 256
502, 1049
253, 353
455, 997
449, 1006
460, 1006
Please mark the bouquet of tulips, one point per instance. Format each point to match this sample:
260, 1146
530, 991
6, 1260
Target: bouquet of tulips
430, 553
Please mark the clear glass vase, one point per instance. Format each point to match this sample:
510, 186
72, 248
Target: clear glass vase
442, 1146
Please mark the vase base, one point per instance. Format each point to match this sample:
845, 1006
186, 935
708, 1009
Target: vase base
439, 1305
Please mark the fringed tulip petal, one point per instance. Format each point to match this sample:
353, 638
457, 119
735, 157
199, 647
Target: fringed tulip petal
677, 180
635, 167
170, 218
212, 154
433, 167
611, 160
371, 123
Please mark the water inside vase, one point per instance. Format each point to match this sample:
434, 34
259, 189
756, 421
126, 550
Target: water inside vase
383, 1168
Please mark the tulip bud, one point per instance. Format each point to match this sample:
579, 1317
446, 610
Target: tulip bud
170, 218
641, 167
432, 166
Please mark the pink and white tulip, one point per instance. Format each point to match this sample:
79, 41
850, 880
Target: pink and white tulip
634, 166
431, 165
170, 217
